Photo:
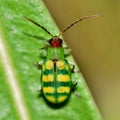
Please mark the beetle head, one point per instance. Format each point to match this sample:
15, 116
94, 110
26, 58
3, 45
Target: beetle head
55, 42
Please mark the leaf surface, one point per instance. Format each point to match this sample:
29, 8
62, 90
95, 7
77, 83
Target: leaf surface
22, 41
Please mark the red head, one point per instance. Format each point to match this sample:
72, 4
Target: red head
55, 42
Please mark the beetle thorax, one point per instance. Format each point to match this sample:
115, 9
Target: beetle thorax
55, 42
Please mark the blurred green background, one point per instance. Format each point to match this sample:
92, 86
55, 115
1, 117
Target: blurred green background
95, 46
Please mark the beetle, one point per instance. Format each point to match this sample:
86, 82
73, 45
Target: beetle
56, 71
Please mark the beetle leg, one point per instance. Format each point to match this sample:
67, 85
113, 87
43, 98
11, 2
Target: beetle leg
43, 52
73, 69
38, 64
73, 89
76, 94
74, 85
44, 47
72, 66
67, 51
39, 90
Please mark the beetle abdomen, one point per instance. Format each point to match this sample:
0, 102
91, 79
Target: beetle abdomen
56, 80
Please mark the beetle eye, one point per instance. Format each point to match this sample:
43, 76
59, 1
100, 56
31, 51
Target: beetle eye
60, 41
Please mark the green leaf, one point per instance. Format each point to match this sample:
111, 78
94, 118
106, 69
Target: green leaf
7, 106
20, 42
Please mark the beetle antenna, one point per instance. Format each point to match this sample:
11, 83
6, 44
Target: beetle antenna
77, 21
38, 25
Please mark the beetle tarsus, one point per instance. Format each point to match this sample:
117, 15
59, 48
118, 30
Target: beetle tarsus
39, 90
74, 85
44, 47
73, 89
76, 94
38, 65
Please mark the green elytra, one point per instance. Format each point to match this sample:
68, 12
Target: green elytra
56, 71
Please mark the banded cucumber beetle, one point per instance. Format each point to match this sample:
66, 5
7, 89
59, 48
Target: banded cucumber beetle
56, 71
